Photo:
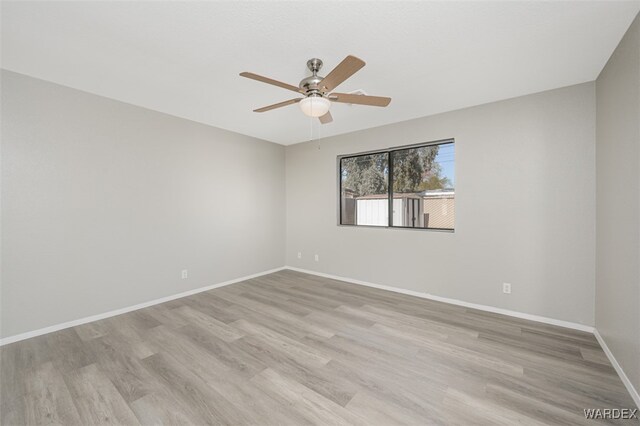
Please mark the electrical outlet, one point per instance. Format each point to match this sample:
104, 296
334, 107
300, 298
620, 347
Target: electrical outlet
185, 274
506, 288
299, 255
317, 258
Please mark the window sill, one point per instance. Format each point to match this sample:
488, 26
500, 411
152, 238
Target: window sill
406, 228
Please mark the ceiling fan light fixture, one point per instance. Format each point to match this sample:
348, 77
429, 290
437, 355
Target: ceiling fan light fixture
315, 106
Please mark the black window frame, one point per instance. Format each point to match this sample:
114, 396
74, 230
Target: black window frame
389, 152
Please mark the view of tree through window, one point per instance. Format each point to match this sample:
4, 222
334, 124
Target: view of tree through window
365, 177
422, 188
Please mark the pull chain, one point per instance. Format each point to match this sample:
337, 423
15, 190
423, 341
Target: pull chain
315, 130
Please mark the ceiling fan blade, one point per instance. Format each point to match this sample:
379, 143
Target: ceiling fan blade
278, 105
269, 81
327, 118
345, 69
348, 98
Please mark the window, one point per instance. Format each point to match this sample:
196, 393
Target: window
407, 187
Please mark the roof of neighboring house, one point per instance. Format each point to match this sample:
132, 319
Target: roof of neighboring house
396, 195
439, 193
430, 193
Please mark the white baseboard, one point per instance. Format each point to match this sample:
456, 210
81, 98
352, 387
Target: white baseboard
552, 321
51, 329
625, 380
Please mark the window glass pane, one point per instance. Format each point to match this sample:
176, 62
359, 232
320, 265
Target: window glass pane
424, 187
364, 196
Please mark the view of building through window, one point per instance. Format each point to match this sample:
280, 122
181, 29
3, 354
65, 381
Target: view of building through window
419, 181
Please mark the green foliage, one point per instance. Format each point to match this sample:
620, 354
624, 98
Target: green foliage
414, 170
365, 175
408, 167
432, 179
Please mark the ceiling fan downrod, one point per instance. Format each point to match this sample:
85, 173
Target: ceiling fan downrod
310, 84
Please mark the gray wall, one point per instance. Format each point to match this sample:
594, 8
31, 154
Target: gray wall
104, 203
618, 203
525, 208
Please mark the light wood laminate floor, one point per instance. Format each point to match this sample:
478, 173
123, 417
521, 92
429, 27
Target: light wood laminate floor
292, 349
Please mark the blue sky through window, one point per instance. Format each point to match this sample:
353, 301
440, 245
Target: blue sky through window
446, 159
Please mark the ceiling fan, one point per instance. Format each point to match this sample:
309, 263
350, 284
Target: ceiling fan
318, 91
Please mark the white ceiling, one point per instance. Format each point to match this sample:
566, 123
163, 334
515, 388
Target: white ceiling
183, 58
